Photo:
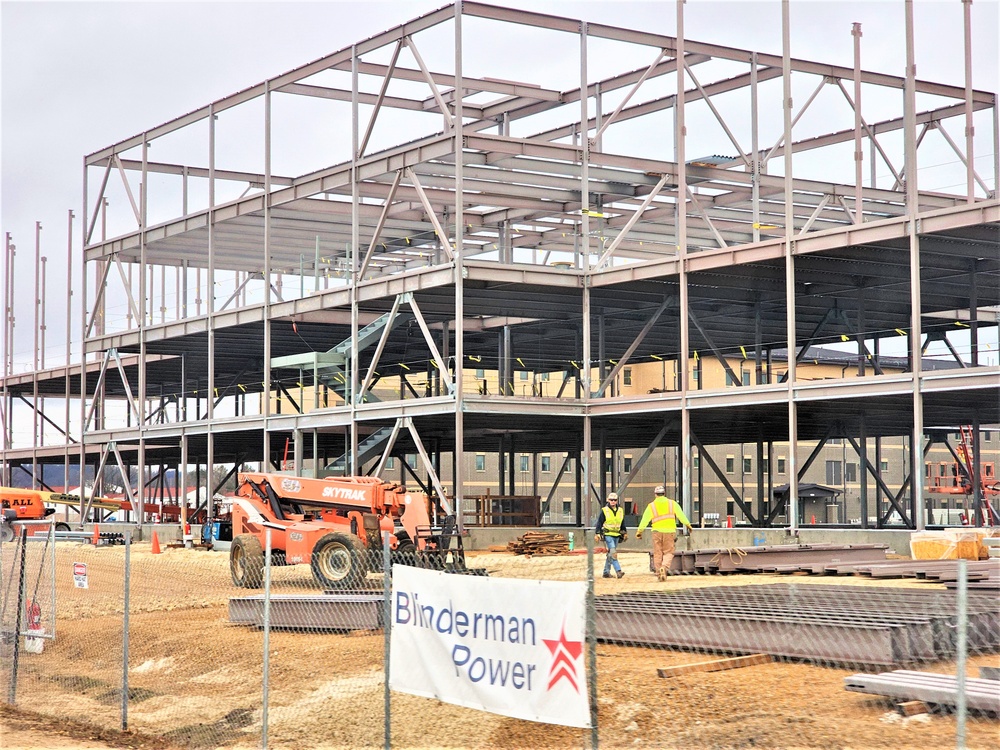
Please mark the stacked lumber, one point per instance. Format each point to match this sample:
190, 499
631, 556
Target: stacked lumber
539, 543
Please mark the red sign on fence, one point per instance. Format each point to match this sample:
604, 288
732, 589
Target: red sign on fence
80, 575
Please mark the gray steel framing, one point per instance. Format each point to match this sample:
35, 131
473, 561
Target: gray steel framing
544, 243
357, 611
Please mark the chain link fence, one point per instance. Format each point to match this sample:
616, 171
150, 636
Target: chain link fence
184, 645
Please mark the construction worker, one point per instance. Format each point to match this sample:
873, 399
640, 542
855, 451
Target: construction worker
663, 513
610, 526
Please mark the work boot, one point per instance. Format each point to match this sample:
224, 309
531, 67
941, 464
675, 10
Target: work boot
607, 575
661, 574
621, 573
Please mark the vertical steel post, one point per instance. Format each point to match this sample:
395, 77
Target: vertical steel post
916, 335
970, 129
680, 139
386, 642
962, 600
353, 397
69, 354
267, 268
5, 439
125, 625
755, 148
146, 311
37, 427
83, 342
267, 637
786, 78
41, 326
459, 457
859, 155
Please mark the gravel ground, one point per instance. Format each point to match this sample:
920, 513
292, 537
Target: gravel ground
195, 680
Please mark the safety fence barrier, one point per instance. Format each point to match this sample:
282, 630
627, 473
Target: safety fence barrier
164, 643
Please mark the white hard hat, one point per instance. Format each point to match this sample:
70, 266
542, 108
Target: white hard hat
660, 489
612, 496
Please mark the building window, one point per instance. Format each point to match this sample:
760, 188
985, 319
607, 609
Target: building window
480, 374
411, 460
627, 464
545, 376
765, 465
524, 374
746, 378
546, 464
696, 373
747, 465
833, 472
696, 462
390, 462
781, 465
524, 463
883, 465
730, 464
987, 435
927, 470
567, 507
627, 376
730, 378
608, 463
480, 462
943, 470
851, 472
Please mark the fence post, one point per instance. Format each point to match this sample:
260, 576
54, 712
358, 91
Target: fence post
591, 639
21, 584
961, 648
125, 622
51, 545
386, 625
267, 633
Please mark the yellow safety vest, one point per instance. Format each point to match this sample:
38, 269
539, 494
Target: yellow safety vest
662, 515
613, 520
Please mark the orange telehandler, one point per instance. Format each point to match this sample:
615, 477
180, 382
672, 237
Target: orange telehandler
336, 525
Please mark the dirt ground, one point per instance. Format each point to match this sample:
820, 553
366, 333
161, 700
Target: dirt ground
195, 679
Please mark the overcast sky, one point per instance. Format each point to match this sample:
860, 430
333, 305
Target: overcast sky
79, 76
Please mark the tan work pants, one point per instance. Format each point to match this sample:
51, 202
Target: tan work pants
663, 550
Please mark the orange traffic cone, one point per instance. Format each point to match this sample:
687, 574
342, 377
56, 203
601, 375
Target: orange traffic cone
729, 522
156, 544
812, 520
96, 539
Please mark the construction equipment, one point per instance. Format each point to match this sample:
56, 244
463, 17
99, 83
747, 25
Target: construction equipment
24, 505
336, 525
957, 479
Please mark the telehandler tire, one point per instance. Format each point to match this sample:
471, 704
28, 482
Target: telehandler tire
339, 561
246, 562
63, 526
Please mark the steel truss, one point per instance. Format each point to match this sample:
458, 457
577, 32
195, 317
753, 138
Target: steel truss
521, 254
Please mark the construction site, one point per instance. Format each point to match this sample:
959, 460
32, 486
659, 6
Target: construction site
506, 289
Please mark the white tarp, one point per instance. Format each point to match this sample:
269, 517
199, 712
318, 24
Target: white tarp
509, 646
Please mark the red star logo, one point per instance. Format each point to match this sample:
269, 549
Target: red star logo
564, 654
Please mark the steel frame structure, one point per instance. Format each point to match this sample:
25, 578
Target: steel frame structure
563, 249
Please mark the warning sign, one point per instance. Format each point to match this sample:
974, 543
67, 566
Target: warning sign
80, 575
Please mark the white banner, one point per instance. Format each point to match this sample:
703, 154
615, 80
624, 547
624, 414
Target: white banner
508, 646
